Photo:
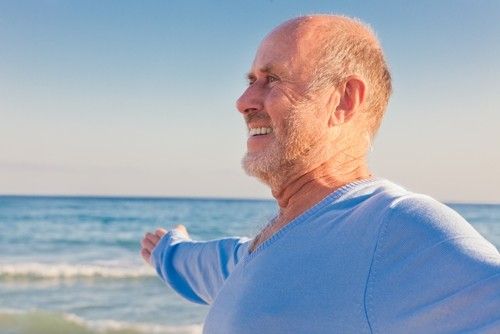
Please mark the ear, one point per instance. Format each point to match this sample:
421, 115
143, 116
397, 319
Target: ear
346, 100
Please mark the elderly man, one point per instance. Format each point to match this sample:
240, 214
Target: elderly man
348, 252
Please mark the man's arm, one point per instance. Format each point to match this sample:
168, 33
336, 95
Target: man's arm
196, 270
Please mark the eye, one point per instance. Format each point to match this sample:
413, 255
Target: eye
268, 79
250, 80
271, 78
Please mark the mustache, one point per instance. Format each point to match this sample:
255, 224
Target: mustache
257, 117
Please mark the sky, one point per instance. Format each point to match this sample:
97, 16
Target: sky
137, 98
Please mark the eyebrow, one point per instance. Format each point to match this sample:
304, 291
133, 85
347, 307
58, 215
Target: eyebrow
268, 68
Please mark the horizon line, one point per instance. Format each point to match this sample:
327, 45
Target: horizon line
138, 197
186, 197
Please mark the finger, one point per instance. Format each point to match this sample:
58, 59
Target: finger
147, 244
152, 237
181, 228
160, 232
146, 255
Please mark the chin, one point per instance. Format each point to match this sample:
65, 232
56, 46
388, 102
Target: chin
253, 164
259, 164
267, 166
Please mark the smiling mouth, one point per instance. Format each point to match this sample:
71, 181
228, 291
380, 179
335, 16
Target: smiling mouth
259, 131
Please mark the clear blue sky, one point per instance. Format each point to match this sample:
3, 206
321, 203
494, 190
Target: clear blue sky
137, 97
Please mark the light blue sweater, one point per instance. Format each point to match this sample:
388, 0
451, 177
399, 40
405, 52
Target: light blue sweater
369, 258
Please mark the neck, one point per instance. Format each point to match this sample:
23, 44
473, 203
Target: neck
303, 189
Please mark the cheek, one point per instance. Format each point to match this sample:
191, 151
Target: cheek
284, 96
279, 103
292, 97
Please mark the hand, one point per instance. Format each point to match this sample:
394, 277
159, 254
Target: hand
150, 240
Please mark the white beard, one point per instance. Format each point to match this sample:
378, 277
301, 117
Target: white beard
264, 162
298, 136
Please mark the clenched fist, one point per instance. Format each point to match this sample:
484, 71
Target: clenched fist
150, 240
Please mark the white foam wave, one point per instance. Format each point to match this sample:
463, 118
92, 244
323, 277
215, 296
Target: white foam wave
62, 270
17, 321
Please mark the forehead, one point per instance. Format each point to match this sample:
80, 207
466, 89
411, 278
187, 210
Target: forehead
284, 51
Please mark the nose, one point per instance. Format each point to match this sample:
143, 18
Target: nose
250, 100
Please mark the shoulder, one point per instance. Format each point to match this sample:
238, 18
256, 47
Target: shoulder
407, 221
428, 264
417, 225
420, 221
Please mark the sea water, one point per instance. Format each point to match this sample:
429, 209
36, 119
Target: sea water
72, 264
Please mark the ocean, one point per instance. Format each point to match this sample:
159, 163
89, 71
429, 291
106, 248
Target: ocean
72, 264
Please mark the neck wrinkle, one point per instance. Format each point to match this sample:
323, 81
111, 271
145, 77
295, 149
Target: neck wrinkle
307, 189
303, 191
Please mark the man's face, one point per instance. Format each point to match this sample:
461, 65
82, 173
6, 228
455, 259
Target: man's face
283, 119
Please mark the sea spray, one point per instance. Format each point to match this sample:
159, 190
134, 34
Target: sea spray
34, 270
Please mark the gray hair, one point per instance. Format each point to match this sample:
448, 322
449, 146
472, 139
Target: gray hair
349, 47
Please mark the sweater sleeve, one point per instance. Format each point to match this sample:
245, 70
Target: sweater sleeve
432, 273
196, 270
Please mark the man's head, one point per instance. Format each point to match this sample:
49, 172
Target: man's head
318, 86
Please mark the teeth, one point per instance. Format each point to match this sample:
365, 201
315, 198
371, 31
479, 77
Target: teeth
259, 131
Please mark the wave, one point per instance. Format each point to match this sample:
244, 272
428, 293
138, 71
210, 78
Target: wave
44, 322
61, 270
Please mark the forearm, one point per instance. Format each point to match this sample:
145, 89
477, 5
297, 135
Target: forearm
196, 270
